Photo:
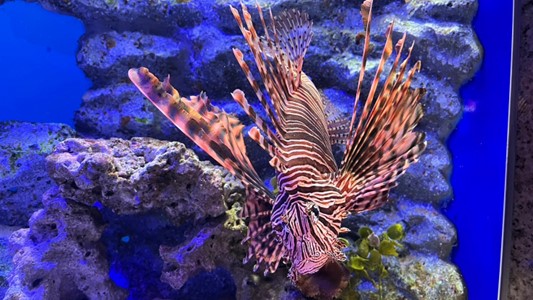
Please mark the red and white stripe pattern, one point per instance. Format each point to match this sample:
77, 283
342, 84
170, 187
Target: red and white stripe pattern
301, 225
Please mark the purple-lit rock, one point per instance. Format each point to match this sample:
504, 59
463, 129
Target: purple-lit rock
204, 252
427, 180
132, 212
428, 242
142, 174
155, 16
161, 204
441, 279
60, 256
444, 10
442, 107
216, 247
450, 52
426, 229
6, 263
121, 111
106, 57
23, 177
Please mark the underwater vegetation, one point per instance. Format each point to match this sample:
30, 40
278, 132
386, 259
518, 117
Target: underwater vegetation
366, 261
302, 223
142, 218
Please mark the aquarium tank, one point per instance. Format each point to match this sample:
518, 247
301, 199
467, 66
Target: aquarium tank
288, 149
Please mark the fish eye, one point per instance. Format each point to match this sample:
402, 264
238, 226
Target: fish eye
312, 208
315, 210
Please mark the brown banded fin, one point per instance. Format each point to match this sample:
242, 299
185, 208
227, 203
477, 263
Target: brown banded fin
271, 84
294, 30
240, 98
338, 123
382, 144
217, 133
366, 13
262, 241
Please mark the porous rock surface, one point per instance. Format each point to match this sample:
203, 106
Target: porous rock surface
6, 263
521, 270
23, 177
60, 255
147, 218
132, 176
111, 55
192, 41
427, 230
152, 192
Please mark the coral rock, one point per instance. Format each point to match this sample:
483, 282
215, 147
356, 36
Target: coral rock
23, 177
107, 57
6, 264
205, 251
60, 256
134, 176
462, 11
428, 179
121, 111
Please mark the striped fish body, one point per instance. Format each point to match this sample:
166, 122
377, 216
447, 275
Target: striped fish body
306, 213
302, 223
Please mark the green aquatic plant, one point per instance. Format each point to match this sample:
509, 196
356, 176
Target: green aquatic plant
365, 257
274, 184
233, 221
143, 121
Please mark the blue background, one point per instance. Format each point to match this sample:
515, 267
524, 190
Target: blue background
479, 150
39, 81
39, 78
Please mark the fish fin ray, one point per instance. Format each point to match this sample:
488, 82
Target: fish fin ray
338, 123
382, 144
213, 130
261, 239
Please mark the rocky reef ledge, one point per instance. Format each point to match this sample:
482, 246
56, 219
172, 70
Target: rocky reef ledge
147, 219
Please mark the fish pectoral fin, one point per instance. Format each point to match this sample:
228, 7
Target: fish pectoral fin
263, 243
382, 143
369, 189
338, 123
216, 132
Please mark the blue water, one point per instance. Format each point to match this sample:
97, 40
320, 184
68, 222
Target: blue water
478, 148
40, 82
39, 78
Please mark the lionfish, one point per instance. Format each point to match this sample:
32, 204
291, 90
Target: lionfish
301, 224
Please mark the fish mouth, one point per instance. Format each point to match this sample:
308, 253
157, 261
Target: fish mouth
327, 283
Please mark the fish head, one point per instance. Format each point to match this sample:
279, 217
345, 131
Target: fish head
311, 239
